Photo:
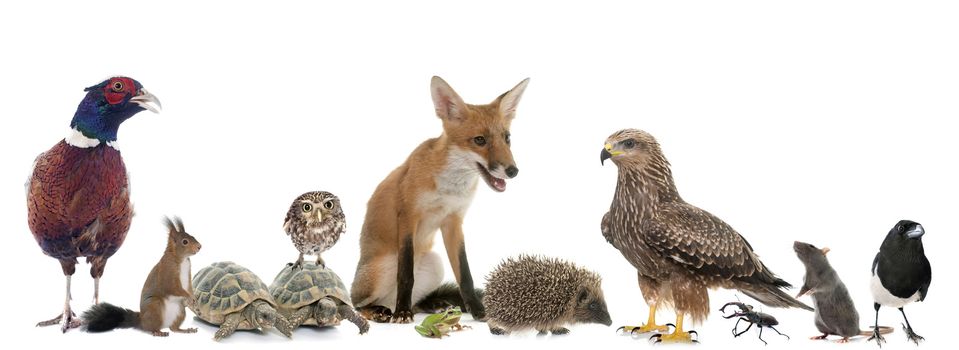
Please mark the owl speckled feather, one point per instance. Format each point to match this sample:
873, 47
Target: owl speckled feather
78, 199
314, 223
678, 249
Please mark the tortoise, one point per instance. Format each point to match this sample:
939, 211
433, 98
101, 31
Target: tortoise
231, 296
314, 295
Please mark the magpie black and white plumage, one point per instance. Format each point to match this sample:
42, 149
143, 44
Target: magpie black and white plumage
900, 273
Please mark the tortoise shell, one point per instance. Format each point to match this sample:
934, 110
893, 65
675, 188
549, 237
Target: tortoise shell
295, 289
224, 288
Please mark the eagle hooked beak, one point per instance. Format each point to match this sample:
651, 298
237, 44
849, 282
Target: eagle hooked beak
608, 153
916, 232
147, 100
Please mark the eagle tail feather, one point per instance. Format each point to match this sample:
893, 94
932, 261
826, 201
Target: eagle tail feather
772, 294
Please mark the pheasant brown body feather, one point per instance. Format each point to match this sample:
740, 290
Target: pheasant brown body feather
79, 203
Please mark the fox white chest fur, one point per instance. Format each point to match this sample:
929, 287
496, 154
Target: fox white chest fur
455, 188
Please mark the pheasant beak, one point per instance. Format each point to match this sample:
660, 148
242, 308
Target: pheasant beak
146, 100
607, 153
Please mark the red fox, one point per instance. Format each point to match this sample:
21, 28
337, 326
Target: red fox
431, 191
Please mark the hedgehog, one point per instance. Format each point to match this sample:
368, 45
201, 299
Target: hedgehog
545, 294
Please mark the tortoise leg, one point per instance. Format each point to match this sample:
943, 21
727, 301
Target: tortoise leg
299, 316
229, 326
346, 312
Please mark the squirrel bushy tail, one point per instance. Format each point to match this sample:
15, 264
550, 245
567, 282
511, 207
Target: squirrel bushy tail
105, 317
447, 294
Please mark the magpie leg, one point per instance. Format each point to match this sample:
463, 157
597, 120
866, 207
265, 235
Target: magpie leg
908, 328
875, 331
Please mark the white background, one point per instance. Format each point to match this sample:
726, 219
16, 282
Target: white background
822, 121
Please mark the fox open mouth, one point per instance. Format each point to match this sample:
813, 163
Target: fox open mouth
497, 184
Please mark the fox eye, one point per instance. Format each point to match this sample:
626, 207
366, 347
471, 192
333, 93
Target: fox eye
307, 207
629, 143
118, 86
507, 139
185, 241
479, 141
328, 205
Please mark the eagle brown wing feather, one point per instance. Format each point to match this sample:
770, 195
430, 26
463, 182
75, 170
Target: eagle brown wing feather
699, 240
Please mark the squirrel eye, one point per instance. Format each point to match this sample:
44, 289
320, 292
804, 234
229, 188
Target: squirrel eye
479, 141
185, 241
307, 207
118, 86
328, 205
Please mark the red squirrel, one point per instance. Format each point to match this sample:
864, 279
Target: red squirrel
165, 294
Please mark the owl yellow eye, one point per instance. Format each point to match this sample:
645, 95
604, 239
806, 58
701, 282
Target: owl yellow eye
118, 86
328, 205
307, 207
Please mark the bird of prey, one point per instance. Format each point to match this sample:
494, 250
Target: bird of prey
678, 249
900, 274
78, 199
314, 222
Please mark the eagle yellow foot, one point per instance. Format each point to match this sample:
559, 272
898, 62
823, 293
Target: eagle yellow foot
678, 336
646, 328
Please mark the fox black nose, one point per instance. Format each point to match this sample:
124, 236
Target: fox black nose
511, 171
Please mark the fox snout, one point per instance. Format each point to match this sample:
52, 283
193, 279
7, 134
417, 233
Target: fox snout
510, 170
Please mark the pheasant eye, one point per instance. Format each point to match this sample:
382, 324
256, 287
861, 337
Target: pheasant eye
479, 141
328, 205
307, 207
118, 86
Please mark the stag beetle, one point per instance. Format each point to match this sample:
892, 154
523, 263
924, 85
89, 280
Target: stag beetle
747, 314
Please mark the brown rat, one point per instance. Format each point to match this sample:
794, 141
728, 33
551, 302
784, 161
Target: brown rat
835, 311
165, 294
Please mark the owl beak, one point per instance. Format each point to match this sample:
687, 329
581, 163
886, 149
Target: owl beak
319, 215
147, 100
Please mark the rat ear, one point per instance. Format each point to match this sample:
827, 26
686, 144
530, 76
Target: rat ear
824, 250
449, 106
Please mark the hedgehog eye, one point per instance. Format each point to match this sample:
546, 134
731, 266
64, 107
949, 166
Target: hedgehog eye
479, 141
307, 207
593, 306
118, 86
328, 205
629, 143
185, 241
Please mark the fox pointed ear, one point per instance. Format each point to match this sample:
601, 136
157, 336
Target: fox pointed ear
509, 100
449, 105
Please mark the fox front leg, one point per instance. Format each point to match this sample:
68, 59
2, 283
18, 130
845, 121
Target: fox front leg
452, 229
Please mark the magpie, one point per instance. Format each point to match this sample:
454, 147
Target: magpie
900, 274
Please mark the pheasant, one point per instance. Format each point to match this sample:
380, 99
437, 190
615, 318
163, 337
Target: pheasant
78, 199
